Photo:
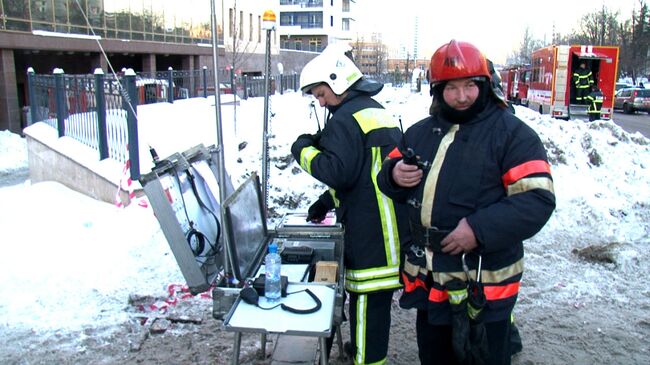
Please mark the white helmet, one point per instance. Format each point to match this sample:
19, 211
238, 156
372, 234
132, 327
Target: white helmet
332, 67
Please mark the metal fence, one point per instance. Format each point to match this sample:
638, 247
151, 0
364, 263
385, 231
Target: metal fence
100, 110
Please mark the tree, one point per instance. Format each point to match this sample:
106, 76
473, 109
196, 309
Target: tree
241, 47
603, 28
528, 45
239, 51
640, 40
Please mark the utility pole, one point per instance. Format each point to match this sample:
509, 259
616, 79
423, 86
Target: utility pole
268, 24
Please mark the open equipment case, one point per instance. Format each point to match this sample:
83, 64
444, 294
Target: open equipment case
222, 246
183, 190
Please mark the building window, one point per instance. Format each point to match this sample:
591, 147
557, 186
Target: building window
250, 27
315, 44
259, 29
304, 20
331, 21
345, 24
299, 45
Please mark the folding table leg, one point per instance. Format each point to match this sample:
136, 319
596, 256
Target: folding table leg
263, 340
323, 349
235, 349
339, 342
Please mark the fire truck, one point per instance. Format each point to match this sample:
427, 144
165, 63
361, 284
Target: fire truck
552, 89
515, 81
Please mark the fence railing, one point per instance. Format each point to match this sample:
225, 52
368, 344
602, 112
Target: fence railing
100, 110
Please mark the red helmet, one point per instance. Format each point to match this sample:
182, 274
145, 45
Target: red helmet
457, 60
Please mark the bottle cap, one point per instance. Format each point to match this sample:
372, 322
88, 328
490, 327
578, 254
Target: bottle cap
273, 248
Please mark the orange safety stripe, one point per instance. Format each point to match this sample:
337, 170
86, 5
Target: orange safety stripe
438, 296
501, 291
525, 169
410, 286
495, 292
395, 153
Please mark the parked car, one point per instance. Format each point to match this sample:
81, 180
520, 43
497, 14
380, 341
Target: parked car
623, 85
632, 99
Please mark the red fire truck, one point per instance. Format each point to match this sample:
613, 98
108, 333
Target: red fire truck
515, 81
552, 88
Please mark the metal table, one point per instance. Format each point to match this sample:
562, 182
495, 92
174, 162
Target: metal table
244, 317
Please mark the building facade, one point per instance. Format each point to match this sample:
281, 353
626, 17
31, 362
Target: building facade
310, 25
370, 55
79, 36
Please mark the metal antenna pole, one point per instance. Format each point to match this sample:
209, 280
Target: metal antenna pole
221, 168
268, 25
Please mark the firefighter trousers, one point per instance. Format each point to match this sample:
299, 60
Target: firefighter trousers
370, 326
435, 348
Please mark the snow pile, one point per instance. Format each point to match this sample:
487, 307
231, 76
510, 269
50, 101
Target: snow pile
70, 263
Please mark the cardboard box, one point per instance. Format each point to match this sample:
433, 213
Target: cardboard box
326, 271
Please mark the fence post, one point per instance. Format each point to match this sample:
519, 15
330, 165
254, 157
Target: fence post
32, 95
132, 123
281, 84
100, 102
170, 88
59, 95
245, 86
205, 81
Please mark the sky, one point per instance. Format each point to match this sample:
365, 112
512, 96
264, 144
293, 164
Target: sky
69, 263
496, 27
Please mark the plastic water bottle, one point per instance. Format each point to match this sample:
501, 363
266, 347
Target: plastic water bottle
273, 269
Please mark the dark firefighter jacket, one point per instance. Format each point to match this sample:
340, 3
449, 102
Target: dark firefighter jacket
583, 78
348, 157
493, 170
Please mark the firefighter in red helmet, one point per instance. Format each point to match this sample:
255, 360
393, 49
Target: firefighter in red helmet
480, 185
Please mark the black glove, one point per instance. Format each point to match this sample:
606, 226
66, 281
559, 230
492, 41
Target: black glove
317, 212
303, 140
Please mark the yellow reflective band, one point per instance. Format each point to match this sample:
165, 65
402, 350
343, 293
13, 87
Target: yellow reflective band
373, 285
306, 156
372, 273
531, 183
337, 203
352, 76
374, 118
360, 330
386, 213
432, 178
412, 269
473, 312
487, 276
457, 296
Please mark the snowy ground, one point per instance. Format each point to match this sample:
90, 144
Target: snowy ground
82, 281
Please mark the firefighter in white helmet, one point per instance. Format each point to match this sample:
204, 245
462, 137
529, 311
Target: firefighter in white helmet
346, 156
